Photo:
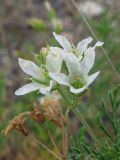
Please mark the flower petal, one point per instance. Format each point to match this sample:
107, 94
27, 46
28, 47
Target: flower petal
91, 78
30, 87
77, 91
54, 59
89, 81
46, 90
60, 78
88, 61
63, 42
31, 68
89, 58
82, 45
73, 65
98, 44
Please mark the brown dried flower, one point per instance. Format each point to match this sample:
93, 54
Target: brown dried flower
48, 108
18, 123
37, 115
52, 110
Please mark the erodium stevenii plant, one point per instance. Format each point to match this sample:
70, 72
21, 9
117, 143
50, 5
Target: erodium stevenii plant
68, 66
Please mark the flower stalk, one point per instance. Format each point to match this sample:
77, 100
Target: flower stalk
85, 124
45, 147
79, 115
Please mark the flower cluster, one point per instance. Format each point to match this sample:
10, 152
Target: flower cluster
68, 66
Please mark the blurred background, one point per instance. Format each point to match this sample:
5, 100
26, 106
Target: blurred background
25, 27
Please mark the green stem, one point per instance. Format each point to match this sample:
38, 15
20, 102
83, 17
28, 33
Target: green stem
78, 114
85, 124
64, 95
75, 101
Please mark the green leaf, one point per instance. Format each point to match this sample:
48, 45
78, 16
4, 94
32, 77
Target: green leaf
116, 91
117, 104
112, 100
86, 147
72, 141
81, 134
103, 109
101, 126
104, 112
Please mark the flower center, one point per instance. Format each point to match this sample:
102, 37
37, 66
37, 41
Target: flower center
77, 83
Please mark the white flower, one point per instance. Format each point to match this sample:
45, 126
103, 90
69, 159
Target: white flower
81, 48
40, 78
78, 79
79, 63
54, 59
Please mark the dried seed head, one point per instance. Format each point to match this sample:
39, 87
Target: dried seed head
48, 108
52, 110
37, 115
52, 106
18, 123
